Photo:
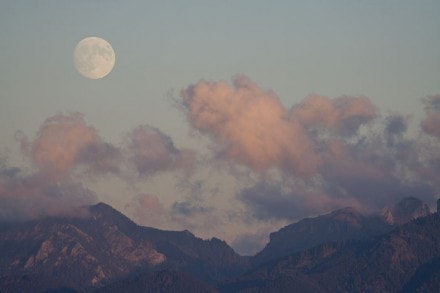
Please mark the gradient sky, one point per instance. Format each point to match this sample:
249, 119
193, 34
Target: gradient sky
165, 164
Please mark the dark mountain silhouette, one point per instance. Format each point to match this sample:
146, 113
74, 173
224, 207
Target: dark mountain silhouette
86, 252
339, 225
343, 224
404, 260
162, 281
407, 209
343, 251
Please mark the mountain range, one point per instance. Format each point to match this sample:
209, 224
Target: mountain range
396, 250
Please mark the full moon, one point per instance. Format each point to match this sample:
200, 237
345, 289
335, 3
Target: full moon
94, 57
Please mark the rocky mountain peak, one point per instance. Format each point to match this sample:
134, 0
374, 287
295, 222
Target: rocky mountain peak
106, 212
348, 215
89, 251
404, 211
343, 224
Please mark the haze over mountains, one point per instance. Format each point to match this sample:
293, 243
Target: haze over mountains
343, 251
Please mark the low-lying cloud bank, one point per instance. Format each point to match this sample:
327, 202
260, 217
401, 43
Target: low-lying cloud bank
66, 152
318, 155
329, 153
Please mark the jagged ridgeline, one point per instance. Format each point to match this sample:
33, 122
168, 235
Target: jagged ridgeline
395, 250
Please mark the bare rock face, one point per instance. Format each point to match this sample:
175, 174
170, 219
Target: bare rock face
88, 252
407, 259
343, 224
72, 251
406, 210
339, 252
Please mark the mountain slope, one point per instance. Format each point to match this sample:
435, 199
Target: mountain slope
162, 281
406, 210
406, 259
339, 225
103, 249
210, 260
103, 246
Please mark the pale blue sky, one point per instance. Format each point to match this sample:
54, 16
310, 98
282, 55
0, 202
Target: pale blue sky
388, 51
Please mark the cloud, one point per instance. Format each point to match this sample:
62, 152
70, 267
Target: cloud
396, 126
189, 208
100, 157
63, 147
381, 167
342, 116
65, 142
67, 152
195, 215
251, 243
151, 151
431, 123
367, 173
249, 125
316, 156
195, 209
24, 197
274, 201
330, 153
148, 210
194, 201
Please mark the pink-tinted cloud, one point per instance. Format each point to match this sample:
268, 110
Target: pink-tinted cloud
367, 174
100, 157
318, 139
64, 142
340, 161
148, 210
66, 148
24, 197
249, 125
431, 123
151, 151
63, 146
342, 116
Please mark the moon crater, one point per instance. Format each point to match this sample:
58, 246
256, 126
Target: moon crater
94, 57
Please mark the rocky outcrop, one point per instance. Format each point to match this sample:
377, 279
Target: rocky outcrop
406, 259
406, 210
339, 225
338, 252
88, 252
